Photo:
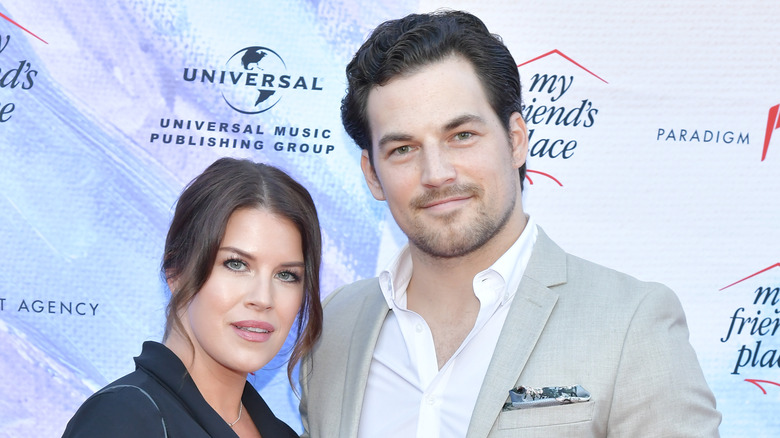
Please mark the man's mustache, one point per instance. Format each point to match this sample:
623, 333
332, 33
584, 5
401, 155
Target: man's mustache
431, 196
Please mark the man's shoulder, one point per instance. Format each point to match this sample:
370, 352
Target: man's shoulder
607, 284
580, 268
577, 279
568, 268
342, 307
351, 295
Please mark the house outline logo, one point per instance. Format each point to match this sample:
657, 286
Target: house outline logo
22, 27
562, 55
776, 265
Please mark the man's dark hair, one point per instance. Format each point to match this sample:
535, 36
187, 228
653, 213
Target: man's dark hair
403, 46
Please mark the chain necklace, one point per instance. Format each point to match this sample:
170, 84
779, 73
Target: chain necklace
240, 410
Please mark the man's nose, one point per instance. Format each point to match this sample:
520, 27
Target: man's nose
437, 166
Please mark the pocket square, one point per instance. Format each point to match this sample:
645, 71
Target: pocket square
524, 397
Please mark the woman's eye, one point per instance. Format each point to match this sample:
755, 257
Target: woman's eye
287, 276
235, 265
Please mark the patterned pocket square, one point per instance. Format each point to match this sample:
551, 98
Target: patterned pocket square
524, 397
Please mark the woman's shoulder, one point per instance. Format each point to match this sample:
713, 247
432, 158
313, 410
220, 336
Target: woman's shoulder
121, 409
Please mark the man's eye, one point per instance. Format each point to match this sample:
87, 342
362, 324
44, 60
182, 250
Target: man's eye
402, 150
463, 135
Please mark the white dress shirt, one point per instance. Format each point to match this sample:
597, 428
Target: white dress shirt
407, 395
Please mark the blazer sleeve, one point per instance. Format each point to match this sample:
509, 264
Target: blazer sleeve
660, 388
312, 390
303, 378
304, 373
121, 412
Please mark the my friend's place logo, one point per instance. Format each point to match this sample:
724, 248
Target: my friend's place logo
551, 110
548, 104
772, 124
15, 74
253, 80
753, 327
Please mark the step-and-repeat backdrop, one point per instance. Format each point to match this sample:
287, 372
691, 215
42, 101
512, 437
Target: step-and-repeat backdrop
655, 150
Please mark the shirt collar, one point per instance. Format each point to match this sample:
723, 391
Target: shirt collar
510, 266
396, 278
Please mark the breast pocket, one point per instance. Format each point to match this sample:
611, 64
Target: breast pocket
558, 415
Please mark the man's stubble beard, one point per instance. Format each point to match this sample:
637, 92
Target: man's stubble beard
446, 242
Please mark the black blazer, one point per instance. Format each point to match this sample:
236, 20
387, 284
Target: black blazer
160, 399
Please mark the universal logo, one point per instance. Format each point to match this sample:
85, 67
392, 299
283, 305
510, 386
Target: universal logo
253, 80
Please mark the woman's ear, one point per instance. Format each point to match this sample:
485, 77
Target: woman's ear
173, 284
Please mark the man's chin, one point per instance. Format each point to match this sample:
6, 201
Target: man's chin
446, 245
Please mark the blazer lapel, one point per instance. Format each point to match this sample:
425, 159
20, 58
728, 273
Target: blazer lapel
528, 315
367, 327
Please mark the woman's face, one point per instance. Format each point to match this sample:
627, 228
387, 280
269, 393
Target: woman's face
240, 318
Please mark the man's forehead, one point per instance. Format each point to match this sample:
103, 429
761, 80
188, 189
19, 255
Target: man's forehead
443, 95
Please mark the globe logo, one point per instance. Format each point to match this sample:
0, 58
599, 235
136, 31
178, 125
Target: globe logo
253, 78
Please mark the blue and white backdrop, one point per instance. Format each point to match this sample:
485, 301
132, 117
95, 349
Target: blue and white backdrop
655, 150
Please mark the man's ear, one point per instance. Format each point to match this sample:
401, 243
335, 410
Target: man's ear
371, 179
518, 136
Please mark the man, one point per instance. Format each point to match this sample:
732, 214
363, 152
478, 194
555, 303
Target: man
481, 301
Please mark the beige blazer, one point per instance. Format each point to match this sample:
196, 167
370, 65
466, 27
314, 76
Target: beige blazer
571, 323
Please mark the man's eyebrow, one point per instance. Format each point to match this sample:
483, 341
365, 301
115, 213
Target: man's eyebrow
462, 120
393, 137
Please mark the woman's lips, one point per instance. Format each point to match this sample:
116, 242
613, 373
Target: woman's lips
253, 331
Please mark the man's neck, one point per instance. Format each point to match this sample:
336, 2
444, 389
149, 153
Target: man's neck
441, 292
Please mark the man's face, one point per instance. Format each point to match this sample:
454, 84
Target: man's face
442, 160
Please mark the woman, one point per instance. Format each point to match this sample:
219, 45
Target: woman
242, 261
